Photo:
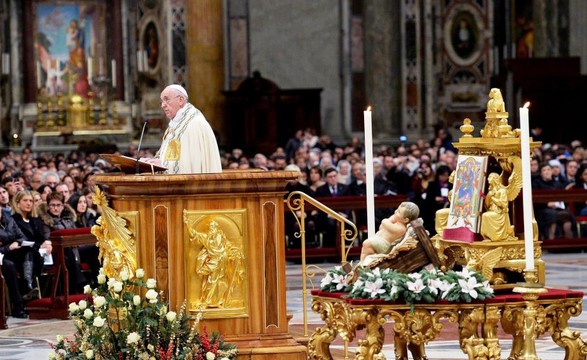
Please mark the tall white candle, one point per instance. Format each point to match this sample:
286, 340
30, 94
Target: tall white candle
39, 75
139, 62
369, 178
527, 187
6, 63
113, 73
100, 66
90, 69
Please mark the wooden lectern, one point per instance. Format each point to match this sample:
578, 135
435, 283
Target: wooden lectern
178, 224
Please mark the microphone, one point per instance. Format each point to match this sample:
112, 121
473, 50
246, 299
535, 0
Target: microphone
139, 146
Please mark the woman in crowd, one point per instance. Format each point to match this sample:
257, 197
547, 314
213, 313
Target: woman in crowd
44, 190
16, 259
71, 185
316, 175
85, 217
37, 199
420, 181
57, 215
25, 216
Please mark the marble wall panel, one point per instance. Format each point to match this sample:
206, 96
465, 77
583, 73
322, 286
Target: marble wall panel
297, 45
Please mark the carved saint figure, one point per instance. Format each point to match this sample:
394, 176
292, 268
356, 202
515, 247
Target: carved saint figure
495, 222
218, 263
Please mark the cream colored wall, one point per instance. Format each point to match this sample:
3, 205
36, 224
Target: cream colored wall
205, 59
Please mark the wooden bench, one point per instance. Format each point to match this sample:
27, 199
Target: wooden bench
56, 305
569, 197
337, 203
477, 331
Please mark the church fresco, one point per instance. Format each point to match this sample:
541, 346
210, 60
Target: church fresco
70, 46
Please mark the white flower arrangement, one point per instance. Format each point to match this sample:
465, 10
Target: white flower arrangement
117, 322
425, 286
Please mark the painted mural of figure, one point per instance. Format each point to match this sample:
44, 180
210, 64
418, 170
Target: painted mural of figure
463, 39
152, 46
75, 42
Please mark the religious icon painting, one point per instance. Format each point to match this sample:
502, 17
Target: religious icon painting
467, 202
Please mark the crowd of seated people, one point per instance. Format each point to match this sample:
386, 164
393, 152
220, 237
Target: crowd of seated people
59, 184
33, 193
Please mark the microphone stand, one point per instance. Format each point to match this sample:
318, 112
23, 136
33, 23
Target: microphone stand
139, 147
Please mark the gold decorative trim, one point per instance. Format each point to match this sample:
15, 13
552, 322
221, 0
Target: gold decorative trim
117, 243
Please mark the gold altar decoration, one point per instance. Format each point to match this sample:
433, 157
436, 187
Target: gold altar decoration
215, 262
116, 242
478, 323
67, 114
501, 253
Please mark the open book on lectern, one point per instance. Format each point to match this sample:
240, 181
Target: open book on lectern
130, 165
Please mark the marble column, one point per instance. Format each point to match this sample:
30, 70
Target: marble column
383, 65
578, 31
551, 28
205, 59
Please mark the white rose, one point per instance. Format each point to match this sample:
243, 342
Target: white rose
123, 275
59, 338
136, 300
171, 316
111, 282
90, 354
52, 356
99, 322
117, 286
140, 273
152, 296
73, 307
99, 301
101, 279
133, 338
83, 304
88, 314
151, 283
210, 356
151, 348
87, 289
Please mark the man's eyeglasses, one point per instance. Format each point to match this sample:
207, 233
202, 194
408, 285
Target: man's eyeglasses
167, 100
55, 205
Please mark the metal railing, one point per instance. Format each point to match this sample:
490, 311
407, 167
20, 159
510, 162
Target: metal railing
296, 201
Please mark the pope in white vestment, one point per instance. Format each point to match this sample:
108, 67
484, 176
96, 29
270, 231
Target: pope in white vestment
189, 145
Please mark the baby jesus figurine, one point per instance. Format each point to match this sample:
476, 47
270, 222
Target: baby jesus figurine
391, 231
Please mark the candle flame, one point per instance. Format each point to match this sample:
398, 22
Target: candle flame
527, 105
369, 108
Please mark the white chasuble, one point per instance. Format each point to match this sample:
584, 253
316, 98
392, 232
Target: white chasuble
189, 145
